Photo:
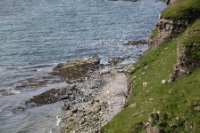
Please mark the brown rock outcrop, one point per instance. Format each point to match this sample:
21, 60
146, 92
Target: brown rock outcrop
183, 63
168, 28
180, 68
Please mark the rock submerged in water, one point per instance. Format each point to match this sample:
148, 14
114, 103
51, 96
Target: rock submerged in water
76, 70
55, 95
136, 42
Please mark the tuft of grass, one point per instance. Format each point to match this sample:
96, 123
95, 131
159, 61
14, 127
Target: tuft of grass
154, 32
183, 9
153, 36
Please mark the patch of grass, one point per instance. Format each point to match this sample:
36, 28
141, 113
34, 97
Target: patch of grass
153, 35
154, 32
183, 9
178, 102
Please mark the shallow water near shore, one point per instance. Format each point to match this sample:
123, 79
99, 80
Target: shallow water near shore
37, 35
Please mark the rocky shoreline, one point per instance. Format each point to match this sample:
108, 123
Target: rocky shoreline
89, 94
93, 95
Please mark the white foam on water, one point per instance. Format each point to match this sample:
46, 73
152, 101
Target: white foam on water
15, 91
2, 69
46, 69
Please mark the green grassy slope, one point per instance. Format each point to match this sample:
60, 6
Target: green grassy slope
178, 102
182, 9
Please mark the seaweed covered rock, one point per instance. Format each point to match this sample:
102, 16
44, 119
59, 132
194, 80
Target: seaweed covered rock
78, 69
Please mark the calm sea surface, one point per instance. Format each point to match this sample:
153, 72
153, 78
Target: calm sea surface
35, 35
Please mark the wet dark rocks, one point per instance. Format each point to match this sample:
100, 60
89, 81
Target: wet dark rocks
34, 83
55, 95
71, 94
136, 42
